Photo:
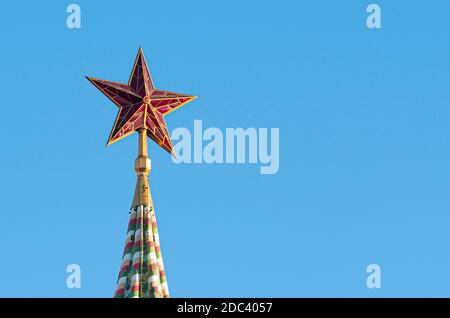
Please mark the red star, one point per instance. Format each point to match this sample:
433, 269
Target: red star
141, 105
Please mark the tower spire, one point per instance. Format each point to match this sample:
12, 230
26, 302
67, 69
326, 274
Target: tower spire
142, 108
142, 270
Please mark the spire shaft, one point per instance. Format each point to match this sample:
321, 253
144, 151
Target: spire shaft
142, 169
142, 271
142, 143
142, 196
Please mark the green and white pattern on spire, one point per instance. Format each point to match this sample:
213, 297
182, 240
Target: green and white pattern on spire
142, 272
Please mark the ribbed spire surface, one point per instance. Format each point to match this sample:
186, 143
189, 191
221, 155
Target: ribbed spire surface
142, 270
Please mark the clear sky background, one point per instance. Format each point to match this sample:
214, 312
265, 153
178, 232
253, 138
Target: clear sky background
364, 118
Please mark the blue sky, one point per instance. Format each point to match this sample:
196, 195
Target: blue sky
364, 123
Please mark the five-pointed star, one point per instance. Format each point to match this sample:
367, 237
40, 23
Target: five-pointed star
141, 105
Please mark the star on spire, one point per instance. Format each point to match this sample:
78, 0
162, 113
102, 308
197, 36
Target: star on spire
141, 105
